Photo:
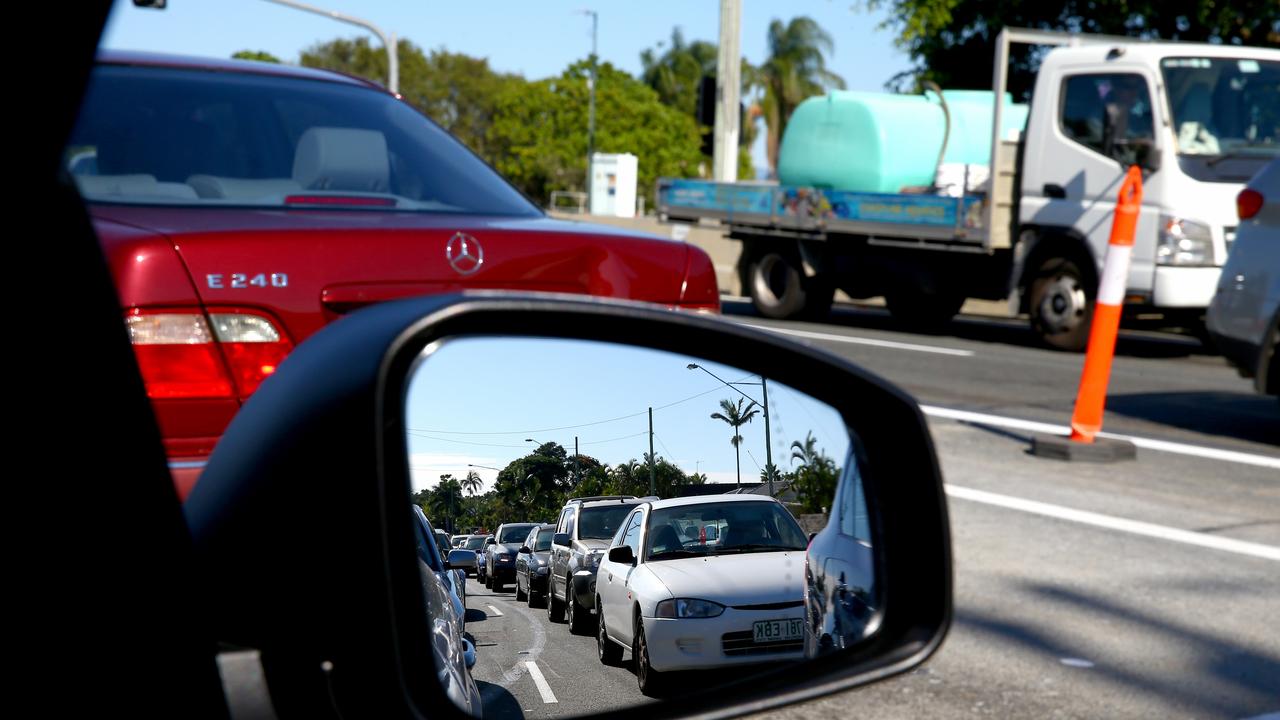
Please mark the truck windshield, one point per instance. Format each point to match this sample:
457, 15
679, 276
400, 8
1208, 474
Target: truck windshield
1224, 106
174, 136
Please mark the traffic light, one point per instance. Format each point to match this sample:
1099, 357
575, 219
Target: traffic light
706, 113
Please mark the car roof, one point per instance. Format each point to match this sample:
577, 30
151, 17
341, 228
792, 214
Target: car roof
623, 501
519, 524
249, 67
710, 499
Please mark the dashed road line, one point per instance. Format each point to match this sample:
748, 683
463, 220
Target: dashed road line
544, 689
494, 611
1142, 442
1135, 527
831, 337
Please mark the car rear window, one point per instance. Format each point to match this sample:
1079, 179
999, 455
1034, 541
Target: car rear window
515, 534
165, 136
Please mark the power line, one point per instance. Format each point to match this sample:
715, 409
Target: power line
565, 427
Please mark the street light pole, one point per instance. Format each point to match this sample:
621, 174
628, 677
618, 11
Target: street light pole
388, 39
591, 103
768, 440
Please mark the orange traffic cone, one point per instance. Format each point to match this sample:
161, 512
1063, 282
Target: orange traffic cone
1086, 421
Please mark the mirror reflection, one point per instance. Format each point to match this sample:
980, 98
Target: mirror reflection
618, 524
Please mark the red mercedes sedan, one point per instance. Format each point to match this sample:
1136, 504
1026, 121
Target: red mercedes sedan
242, 206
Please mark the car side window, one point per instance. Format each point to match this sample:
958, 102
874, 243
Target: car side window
564, 518
570, 522
1109, 113
631, 538
622, 530
854, 521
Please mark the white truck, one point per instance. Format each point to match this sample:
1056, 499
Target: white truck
1199, 120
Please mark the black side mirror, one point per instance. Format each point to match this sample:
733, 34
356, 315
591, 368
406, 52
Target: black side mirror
525, 550
490, 541
622, 555
1148, 156
561, 539
353, 607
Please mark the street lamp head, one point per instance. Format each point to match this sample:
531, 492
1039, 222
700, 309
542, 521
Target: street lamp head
691, 366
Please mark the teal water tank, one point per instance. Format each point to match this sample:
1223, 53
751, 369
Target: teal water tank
882, 142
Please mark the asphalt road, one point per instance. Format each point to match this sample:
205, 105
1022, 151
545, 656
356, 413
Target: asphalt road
508, 640
1060, 618
1064, 608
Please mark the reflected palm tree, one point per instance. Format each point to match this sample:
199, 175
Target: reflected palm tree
736, 416
472, 482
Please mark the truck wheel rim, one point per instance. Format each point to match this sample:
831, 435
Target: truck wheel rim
1063, 305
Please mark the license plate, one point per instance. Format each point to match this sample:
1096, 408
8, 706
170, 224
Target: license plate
777, 630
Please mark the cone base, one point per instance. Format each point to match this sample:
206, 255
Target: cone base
1101, 450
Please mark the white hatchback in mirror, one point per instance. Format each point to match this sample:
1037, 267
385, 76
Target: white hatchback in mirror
702, 582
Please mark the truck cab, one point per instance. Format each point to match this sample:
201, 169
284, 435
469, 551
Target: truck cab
1200, 120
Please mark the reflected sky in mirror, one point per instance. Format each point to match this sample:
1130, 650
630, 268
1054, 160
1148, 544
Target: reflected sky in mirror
489, 401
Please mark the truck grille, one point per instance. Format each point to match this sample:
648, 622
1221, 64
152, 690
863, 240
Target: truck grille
739, 643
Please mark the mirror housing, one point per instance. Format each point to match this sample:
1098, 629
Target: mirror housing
341, 626
561, 539
490, 541
526, 550
622, 554
460, 560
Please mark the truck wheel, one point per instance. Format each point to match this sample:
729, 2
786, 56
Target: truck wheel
779, 289
923, 311
1061, 305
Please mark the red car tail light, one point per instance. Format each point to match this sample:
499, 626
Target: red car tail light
1248, 203
252, 345
182, 357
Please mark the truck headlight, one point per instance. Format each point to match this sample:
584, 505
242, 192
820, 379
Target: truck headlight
1183, 242
688, 608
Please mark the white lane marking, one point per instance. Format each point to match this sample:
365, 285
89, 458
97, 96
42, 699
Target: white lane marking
544, 689
864, 341
494, 611
1240, 547
1148, 443
532, 653
1075, 662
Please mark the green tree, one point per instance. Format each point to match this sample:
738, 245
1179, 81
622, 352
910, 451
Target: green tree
676, 72
736, 416
815, 480
459, 92
538, 138
952, 42
259, 55
795, 69
445, 501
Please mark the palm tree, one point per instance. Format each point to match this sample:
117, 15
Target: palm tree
736, 416
675, 74
446, 500
807, 453
472, 482
795, 69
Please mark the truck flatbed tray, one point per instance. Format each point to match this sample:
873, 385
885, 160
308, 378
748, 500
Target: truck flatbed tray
818, 210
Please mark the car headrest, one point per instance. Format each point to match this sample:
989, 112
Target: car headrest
329, 158
1197, 105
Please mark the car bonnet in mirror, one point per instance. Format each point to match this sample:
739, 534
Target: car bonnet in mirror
714, 476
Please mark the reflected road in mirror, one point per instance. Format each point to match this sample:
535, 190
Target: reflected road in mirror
645, 524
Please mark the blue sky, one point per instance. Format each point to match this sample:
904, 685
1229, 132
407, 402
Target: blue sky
535, 39
475, 400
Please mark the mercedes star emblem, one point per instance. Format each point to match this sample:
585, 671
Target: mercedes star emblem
464, 253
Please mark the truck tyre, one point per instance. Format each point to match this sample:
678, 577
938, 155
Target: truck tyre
919, 310
779, 289
1061, 305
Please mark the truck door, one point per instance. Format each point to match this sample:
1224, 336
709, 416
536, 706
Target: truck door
1094, 125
